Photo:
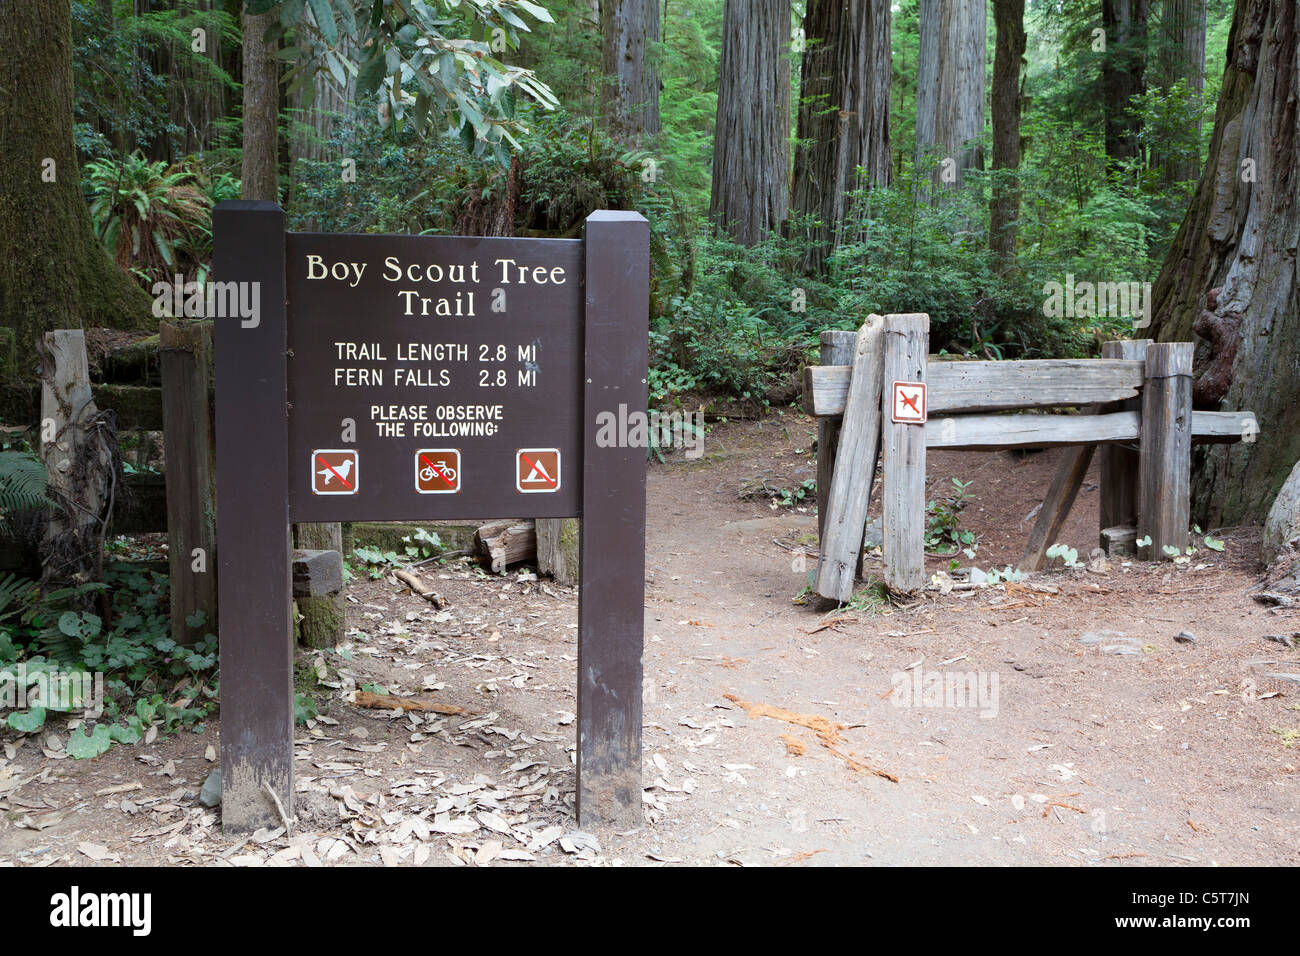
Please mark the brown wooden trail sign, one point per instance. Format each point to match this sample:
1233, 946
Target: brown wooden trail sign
1138, 411
390, 378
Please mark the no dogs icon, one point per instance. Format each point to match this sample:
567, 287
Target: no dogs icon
537, 470
334, 472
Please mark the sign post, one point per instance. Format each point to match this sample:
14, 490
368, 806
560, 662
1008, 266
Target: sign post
391, 378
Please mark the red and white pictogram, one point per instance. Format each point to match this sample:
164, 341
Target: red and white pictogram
909, 403
335, 471
437, 471
537, 470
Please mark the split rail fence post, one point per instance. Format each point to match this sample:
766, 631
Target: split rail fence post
836, 349
1165, 453
253, 574
855, 468
907, 346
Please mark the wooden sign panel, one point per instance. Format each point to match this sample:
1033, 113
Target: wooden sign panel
405, 378
441, 375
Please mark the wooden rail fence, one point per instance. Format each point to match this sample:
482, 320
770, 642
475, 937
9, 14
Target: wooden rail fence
1136, 407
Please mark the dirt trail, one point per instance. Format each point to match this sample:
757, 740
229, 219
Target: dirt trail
1122, 748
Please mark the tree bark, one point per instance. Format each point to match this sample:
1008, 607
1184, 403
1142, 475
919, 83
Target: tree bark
1123, 73
54, 272
751, 143
323, 617
843, 121
951, 67
630, 95
1181, 56
1239, 240
260, 169
1004, 208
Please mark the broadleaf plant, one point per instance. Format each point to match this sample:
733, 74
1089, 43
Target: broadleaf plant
422, 58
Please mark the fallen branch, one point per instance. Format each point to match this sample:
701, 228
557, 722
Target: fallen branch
372, 701
420, 589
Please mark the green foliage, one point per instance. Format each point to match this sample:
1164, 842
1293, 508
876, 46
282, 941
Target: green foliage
421, 544
155, 219
121, 100
421, 57
22, 489
54, 633
1069, 556
943, 531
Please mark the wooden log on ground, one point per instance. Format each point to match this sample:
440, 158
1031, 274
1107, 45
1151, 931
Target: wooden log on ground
836, 349
1165, 456
1118, 466
1119, 541
186, 356
557, 548
967, 387
907, 341
316, 572
855, 468
503, 543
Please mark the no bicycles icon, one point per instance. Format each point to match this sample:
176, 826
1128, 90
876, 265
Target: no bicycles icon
437, 471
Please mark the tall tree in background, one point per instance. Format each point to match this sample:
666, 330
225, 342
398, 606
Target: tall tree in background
1239, 238
843, 118
630, 98
1123, 73
1181, 56
751, 145
951, 67
260, 169
54, 272
1004, 208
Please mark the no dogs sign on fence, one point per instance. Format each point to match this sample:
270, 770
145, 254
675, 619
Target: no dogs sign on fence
461, 378
909, 403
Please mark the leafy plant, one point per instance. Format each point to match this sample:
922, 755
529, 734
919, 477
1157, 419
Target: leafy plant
155, 219
422, 58
1069, 556
22, 489
943, 531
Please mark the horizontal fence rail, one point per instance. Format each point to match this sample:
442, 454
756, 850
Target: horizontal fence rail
994, 386
990, 432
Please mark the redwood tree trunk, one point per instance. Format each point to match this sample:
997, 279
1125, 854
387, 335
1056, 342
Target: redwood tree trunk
951, 66
1004, 209
260, 171
843, 113
630, 96
751, 144
1123, 72
54, 272
1181, 56
1239, 236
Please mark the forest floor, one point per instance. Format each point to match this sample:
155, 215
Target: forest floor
1106, 742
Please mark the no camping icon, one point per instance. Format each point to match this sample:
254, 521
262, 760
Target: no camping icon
537, 470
